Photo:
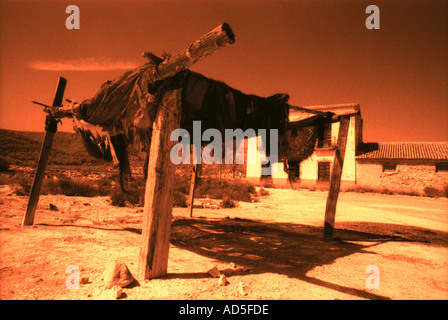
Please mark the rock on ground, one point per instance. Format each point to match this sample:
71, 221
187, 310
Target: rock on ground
117, 274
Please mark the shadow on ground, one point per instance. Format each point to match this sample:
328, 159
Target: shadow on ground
284, 248
290, 249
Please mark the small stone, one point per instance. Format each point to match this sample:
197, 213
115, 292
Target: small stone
234, 269
246, 269
232, 265
222, 281
116, 292
242, 289
214, 272
117, 274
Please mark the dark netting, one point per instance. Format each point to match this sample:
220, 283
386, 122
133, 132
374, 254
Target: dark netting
297, 145
125, 109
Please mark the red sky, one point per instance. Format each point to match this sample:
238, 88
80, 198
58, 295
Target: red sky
319, 52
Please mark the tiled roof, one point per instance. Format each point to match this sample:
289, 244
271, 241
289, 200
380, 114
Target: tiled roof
338, 109
404, 151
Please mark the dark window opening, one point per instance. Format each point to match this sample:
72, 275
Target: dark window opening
442, 167
324, 136
294, 171
323, 171
389, 167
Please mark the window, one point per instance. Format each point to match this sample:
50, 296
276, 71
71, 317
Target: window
389, 167
323, 171
324, 136
266, 171
442, 167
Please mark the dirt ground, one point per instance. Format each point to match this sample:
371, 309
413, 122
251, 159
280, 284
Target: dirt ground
279, 239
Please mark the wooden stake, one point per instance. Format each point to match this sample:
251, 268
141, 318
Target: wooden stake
335, 182
194, 175
153, 258
50, 130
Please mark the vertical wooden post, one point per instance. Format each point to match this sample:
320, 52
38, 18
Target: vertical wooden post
157, 213
335, 182
50, 130
194, 175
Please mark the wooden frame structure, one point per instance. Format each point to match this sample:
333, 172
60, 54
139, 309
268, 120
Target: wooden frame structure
155, 239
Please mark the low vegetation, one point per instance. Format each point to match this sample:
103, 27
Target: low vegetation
22, 148
229, 191
430, 191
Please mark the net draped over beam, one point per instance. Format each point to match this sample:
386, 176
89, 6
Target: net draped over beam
127, 98
124, 109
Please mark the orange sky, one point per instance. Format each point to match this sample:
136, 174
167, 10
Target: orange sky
319, 52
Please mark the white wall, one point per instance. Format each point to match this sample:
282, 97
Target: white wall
308, 168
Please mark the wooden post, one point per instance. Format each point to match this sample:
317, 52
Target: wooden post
194, 175
153, 258
335, 182
50, 130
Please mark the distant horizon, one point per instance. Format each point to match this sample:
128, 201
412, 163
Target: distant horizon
319, 52
74, 132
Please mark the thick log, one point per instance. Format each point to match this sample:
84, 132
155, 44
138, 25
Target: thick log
335, 181
50, 130
153, 258
159, 69
219, 37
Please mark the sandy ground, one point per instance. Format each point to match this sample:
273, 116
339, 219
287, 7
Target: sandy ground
279, 239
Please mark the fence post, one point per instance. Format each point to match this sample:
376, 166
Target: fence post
335, 180
157, 213
51, 126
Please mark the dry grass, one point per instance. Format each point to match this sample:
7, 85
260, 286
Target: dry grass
431, 192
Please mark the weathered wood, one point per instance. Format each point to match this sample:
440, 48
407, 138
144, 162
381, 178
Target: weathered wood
219, 37
194, 175
160, 69
335, 181
50, 130
153, 258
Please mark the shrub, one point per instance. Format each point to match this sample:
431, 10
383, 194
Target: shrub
435, 192
121, 198
22, 184
4, 164
218, 189
227, 203
263, 192
180, 199
77, 187
134, 194
267, 183
387, 191
4, 179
